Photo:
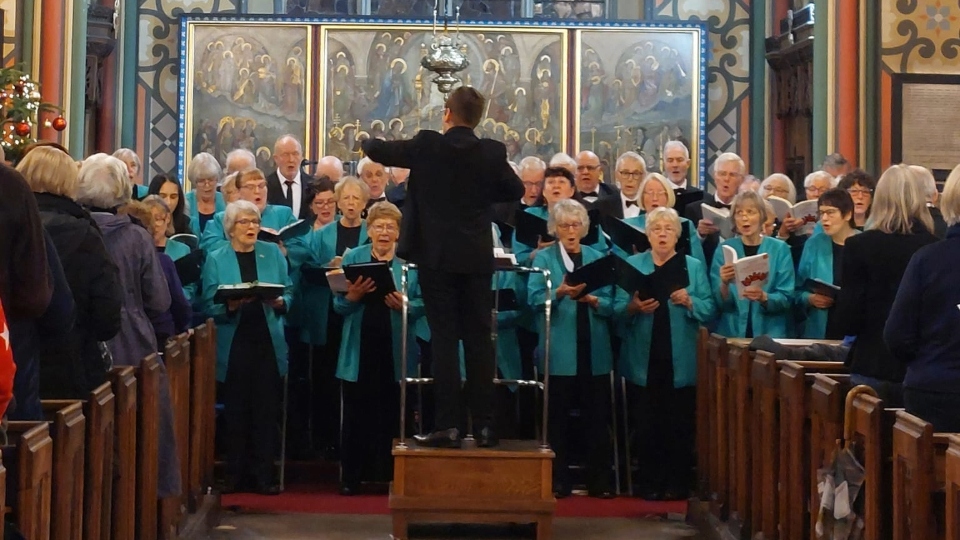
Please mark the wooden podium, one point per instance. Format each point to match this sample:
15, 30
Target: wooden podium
511, 483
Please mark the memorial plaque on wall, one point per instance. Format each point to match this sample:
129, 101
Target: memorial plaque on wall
926, 121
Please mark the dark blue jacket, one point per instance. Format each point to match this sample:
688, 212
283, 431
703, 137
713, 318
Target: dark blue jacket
923, 329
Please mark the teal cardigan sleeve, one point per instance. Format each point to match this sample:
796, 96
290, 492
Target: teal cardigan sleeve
781, 285
704, 308
213, 235
696, 245
211, 280
805, 272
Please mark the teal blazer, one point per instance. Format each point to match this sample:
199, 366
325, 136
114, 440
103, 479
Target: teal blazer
636, 330
348, 366
177, 250
140, 192
775, 319
815, 263
221, 268
563, 323
273, 217
523, 251
312, 303
696, 246
219, 205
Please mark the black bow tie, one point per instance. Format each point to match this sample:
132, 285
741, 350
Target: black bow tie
632, 203
591, 194
721, 205
381, 199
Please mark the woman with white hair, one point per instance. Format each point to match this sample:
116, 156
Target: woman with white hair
759, 311
778, 185
251, 349
204, 201
921, 331
657, 192
875, 260
134, 167
658, 355
581, 357
104, 186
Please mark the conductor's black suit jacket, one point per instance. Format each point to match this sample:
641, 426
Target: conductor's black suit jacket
455, 178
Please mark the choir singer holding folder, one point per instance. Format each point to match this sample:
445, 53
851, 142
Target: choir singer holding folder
455, 178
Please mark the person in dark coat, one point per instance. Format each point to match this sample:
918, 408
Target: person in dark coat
76, 365
455, 178
898, 226
104, 187
921, 331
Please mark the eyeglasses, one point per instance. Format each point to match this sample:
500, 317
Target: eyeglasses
533, 184
631, 174
657, 194
288, 155
662, 229
324, 203
829, 212
772, 189
206, 181
384, 228
246, 222
254, 187
570, 226
859, 191
727, 174
589, 168
815, 189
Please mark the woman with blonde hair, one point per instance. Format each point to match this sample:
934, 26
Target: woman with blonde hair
875, 260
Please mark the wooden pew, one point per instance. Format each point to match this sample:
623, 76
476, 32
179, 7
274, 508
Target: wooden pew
717, 396
99, 411
177, 362
28, 460
953, 488
206, 354
827, 406
703, 412
202, 396
766, 421
68, 430
919, 457
148, 418
796, 379
872, 434
123, 382
740, 399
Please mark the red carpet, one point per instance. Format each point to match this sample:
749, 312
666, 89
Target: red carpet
324, 499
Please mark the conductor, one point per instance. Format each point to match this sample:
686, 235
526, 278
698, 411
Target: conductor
455, 178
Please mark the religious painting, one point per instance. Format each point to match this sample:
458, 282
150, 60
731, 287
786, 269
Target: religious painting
374, 85
243, 86
638, 88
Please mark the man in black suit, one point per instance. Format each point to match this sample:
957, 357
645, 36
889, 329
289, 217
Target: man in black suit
287, 186
630, 171
531, 174
676, 165
589, 186
728, 172
455, 178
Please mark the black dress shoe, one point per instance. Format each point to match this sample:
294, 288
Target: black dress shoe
602, 494
487, 438
446, 438
561, 491
348, 489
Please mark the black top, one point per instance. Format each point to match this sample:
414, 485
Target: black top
694, 212
376, 341
204, 218
455, 178
347, 237
584, 366
660, 367
252, 318
750, 251
833, 330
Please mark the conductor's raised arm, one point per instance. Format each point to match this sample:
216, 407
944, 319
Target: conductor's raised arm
508, 187
402, 154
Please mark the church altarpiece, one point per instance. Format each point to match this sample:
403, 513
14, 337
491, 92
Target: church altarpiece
552, 87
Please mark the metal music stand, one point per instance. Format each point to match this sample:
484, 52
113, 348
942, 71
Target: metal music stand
544, 386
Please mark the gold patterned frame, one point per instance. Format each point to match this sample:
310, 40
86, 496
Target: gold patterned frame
187, 81
562, 36
696, 84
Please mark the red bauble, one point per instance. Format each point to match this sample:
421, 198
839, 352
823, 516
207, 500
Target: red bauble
22, 129
59, 123
18, 87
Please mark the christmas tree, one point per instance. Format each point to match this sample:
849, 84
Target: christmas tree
21, 106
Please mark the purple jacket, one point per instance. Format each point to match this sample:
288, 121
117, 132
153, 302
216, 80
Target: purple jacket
176, 319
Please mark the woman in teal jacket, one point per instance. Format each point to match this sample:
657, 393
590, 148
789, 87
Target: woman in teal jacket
766, 311
658, 357
252, 187
251, 350
371, 355
822, 260
655, 192
581, 357
204, 201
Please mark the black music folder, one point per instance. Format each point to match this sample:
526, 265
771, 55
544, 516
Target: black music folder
506, 233
531, 229
659, 285
298, 228
189, 267
506, 300
625, 236
380, 272
683, 198
315, 275
817, 286
597, 274
253, 289
189, 240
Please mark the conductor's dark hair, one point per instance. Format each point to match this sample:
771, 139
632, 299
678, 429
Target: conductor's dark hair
559, 171
839, 199
25, 285
466, 105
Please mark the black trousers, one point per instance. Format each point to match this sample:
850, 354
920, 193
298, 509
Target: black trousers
458, 307
939, 408
590, 433
326, 388
252, 395
371, 416
664, 420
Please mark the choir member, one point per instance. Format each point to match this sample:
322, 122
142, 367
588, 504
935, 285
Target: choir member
580, 351
676, 164
251, 350
823, 260
73, 367
134, 171
322, 202
375, 176
655, 192
238, 160
860, 185
252, 187
758, 311
921, 331
331, 167
779, 185
564, 161
287, 186
835, 165
630, 170
728, 171
168, 189
590, 187
531, 174
370, 356
899, 225
658, 356
204, 174
104, 187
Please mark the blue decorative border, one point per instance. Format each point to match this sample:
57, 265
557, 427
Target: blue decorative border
186, 19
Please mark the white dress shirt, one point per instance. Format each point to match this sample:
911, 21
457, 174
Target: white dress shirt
680, 186
629, 211
297, 191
